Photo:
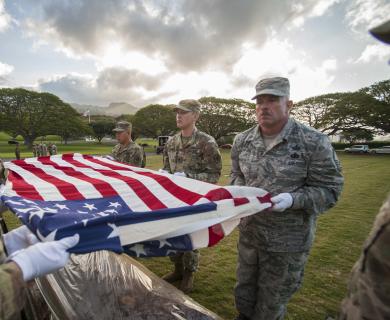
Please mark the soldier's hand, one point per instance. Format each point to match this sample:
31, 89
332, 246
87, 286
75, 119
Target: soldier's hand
18, 239
163, 171
281, 202
44, 257
180, 174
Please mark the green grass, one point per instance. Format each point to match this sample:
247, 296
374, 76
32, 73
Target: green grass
340, 236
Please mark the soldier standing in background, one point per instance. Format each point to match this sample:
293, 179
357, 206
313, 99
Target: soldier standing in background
44, 150
53, 149
193, 154
35, 150
126, 150
17, 152
299, 167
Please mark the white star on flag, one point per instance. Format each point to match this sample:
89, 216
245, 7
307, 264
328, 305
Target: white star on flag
89, 206
61, 206
163, 243
115, 204
114, 232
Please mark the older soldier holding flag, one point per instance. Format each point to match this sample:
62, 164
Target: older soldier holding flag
298, 165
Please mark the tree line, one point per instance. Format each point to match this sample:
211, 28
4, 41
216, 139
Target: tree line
355, 115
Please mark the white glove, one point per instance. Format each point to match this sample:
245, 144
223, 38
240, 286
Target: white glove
180, 174
162, 171
19, 238
44, 257
281, 202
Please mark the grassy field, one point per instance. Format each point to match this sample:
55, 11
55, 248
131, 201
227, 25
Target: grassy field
340, 235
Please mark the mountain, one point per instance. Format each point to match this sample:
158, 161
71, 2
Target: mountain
114, 109
118, 108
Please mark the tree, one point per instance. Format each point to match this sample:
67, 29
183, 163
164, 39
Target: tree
379, 90
357, 135
346, 111
155, 120
135, 129
30, 114
224, 117
101, 128
72, 125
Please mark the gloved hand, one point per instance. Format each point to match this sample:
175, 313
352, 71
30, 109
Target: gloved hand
162, 171
180, 174
281, 202
44, 257
18, 239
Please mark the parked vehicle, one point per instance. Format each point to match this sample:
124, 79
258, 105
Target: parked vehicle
357, 148
384, 149
161, 140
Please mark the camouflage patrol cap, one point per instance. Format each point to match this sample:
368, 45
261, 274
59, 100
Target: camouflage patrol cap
382, 32
122, 126
188, 105
276, 86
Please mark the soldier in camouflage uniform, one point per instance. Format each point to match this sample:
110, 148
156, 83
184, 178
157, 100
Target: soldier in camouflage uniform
369, 286
127, 150
193, 154
300, 169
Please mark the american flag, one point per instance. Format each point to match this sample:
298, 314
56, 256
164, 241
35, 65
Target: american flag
122, 208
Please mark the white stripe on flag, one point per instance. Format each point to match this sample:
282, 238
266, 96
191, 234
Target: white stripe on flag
85, 188
123, 190
48, 191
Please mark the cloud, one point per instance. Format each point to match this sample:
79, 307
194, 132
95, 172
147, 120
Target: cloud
5, 18
281, 58
374, 52
363, 15
110, 85
179, 35
5, 70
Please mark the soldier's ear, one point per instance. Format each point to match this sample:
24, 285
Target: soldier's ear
290, 104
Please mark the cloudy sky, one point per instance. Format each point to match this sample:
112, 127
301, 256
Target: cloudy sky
141, 52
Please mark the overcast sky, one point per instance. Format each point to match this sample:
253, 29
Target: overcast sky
141, 52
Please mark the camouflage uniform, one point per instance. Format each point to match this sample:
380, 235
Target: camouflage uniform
273, 246
369, 286
199, 159
12, 289
131, 153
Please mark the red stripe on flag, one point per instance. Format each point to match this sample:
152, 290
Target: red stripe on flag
215, 234
22, 188
185, 195
103, 187
138, 187
68, 190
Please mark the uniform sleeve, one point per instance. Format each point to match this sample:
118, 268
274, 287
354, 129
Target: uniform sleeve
12, 290
166, 165
236, 176
213, 164
324, 181
136, 157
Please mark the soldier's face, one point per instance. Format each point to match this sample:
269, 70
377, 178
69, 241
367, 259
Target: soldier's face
123, 137
185, 119
272, 111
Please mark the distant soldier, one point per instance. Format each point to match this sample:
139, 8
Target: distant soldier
17, 152
49, 149
126, 150
44, 149
193, 154
35, 150
299, 167
53, 149
40, 150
